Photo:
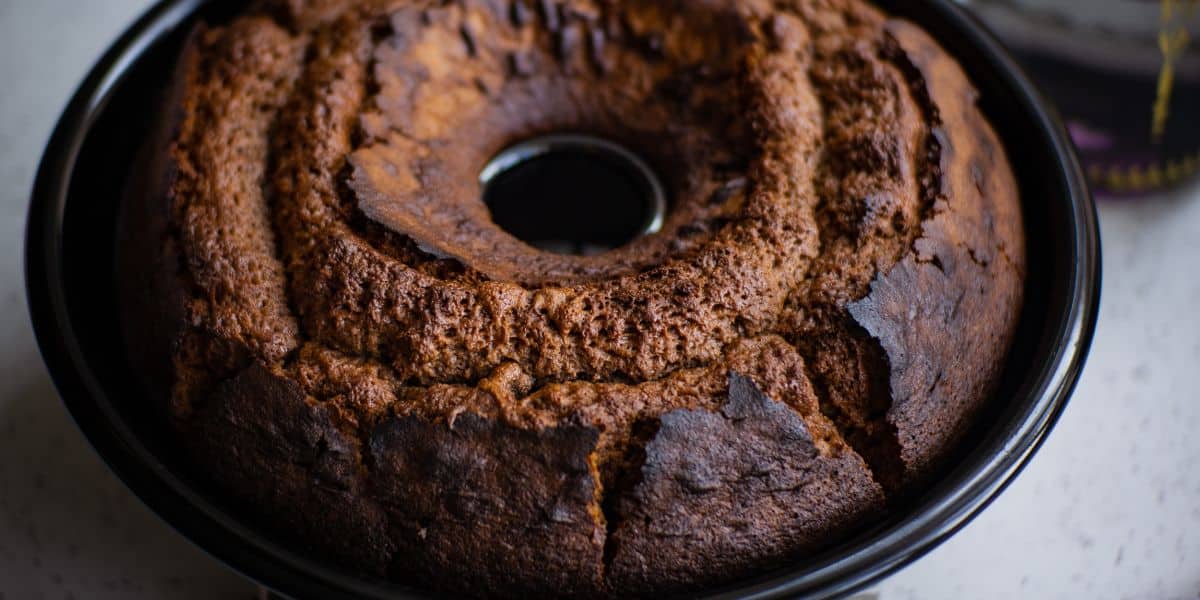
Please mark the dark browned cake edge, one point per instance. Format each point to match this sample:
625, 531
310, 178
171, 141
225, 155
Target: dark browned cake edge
935, 313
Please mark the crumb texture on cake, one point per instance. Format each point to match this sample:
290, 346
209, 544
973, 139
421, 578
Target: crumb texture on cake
349, 346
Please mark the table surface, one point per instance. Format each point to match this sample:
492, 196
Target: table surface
1109, 508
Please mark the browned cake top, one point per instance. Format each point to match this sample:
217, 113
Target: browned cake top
842, 254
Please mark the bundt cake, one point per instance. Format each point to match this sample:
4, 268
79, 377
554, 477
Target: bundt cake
351, 350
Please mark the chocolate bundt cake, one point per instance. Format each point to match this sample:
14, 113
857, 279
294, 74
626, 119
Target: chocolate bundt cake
349, 348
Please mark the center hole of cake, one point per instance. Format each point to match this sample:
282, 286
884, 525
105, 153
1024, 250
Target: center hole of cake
573, 194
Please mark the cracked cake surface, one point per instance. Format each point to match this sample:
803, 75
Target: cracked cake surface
351, 349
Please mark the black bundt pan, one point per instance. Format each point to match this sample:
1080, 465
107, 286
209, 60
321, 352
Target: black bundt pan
70, 279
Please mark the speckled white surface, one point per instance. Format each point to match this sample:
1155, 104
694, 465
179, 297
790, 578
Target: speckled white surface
1110, 507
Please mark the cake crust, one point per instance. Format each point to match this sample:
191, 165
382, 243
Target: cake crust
358, 355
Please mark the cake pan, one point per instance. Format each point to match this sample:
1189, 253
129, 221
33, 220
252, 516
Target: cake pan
70, 276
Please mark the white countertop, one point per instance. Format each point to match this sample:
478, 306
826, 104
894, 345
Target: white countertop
1109, 508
